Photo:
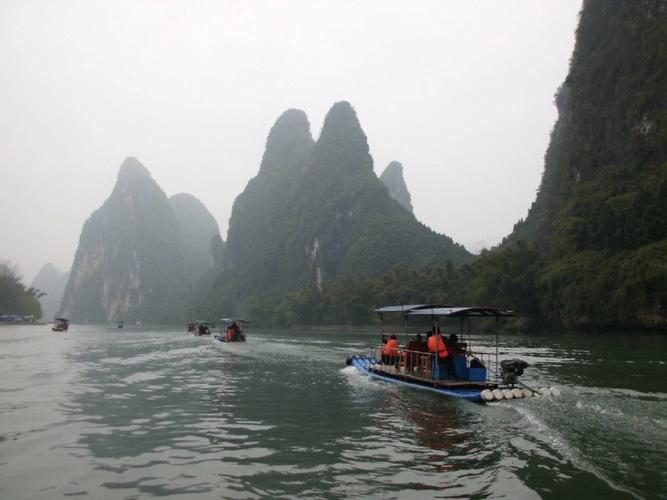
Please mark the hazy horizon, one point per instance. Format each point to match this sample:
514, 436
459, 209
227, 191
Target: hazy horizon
461, 93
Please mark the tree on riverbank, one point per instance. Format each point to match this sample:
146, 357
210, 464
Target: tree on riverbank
15, 298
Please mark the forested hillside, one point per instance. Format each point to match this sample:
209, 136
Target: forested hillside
316, 211
592, 252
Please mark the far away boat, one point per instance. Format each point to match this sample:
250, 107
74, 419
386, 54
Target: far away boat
199, 328
476, 377
235, 331
62, 324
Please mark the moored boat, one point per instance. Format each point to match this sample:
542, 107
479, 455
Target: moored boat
446, 365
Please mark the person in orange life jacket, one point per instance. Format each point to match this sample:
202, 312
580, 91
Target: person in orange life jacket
437, 345
234, 333
390, 351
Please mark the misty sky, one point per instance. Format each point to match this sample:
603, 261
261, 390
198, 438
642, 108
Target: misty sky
460, 92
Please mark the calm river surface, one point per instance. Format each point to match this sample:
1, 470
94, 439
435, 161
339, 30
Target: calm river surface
105, 413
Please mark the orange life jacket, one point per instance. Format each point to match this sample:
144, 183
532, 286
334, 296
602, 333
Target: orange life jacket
437, 343
390, 348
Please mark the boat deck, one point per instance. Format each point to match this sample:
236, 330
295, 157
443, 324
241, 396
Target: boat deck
424, 377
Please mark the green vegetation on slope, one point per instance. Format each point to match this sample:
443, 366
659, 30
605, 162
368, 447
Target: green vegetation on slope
314, 212
592, 252
15, 298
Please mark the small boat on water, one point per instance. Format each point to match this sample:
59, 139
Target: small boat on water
235, 331
200, 328
62, 325
446, 365
120, 324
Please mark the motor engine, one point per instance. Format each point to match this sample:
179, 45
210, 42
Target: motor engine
511, 370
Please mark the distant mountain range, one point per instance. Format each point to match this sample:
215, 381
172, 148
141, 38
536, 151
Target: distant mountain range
317, 237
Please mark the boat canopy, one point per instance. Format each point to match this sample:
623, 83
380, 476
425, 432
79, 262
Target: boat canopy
62, 320
458, 312
444, 310
408, 308
232, 320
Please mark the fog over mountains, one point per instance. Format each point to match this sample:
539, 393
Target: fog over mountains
51, 281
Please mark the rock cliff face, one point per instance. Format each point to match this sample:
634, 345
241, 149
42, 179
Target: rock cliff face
599, 221
130, 263
52, 281
315, 211
198, 229
392, 177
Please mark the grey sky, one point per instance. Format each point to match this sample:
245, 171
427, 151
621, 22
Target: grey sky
459, 92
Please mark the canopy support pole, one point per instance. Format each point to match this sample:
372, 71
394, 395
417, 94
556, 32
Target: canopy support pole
497, 365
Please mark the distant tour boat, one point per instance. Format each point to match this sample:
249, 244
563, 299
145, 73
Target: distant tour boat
235, 331
199, 328
62, 324
446, 365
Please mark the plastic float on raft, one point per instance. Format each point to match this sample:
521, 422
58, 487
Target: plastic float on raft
447, 366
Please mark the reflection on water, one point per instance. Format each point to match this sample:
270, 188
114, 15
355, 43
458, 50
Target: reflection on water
129, 413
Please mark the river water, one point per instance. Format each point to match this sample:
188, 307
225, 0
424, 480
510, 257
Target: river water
100, 412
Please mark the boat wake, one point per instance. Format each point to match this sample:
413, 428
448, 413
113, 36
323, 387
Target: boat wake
545, 433
357, 378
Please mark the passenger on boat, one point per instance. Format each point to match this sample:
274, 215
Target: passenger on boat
390, 351
233, 332
441, 359
413, 350
453, 345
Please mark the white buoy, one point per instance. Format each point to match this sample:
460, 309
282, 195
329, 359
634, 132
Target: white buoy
498, 394
517, 393
507, 394
545, 391
555, 391
487, 395
527, 393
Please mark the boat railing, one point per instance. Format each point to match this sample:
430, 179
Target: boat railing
406, 361
419, 363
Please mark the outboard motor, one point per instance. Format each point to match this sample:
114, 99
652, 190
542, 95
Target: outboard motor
511, 370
